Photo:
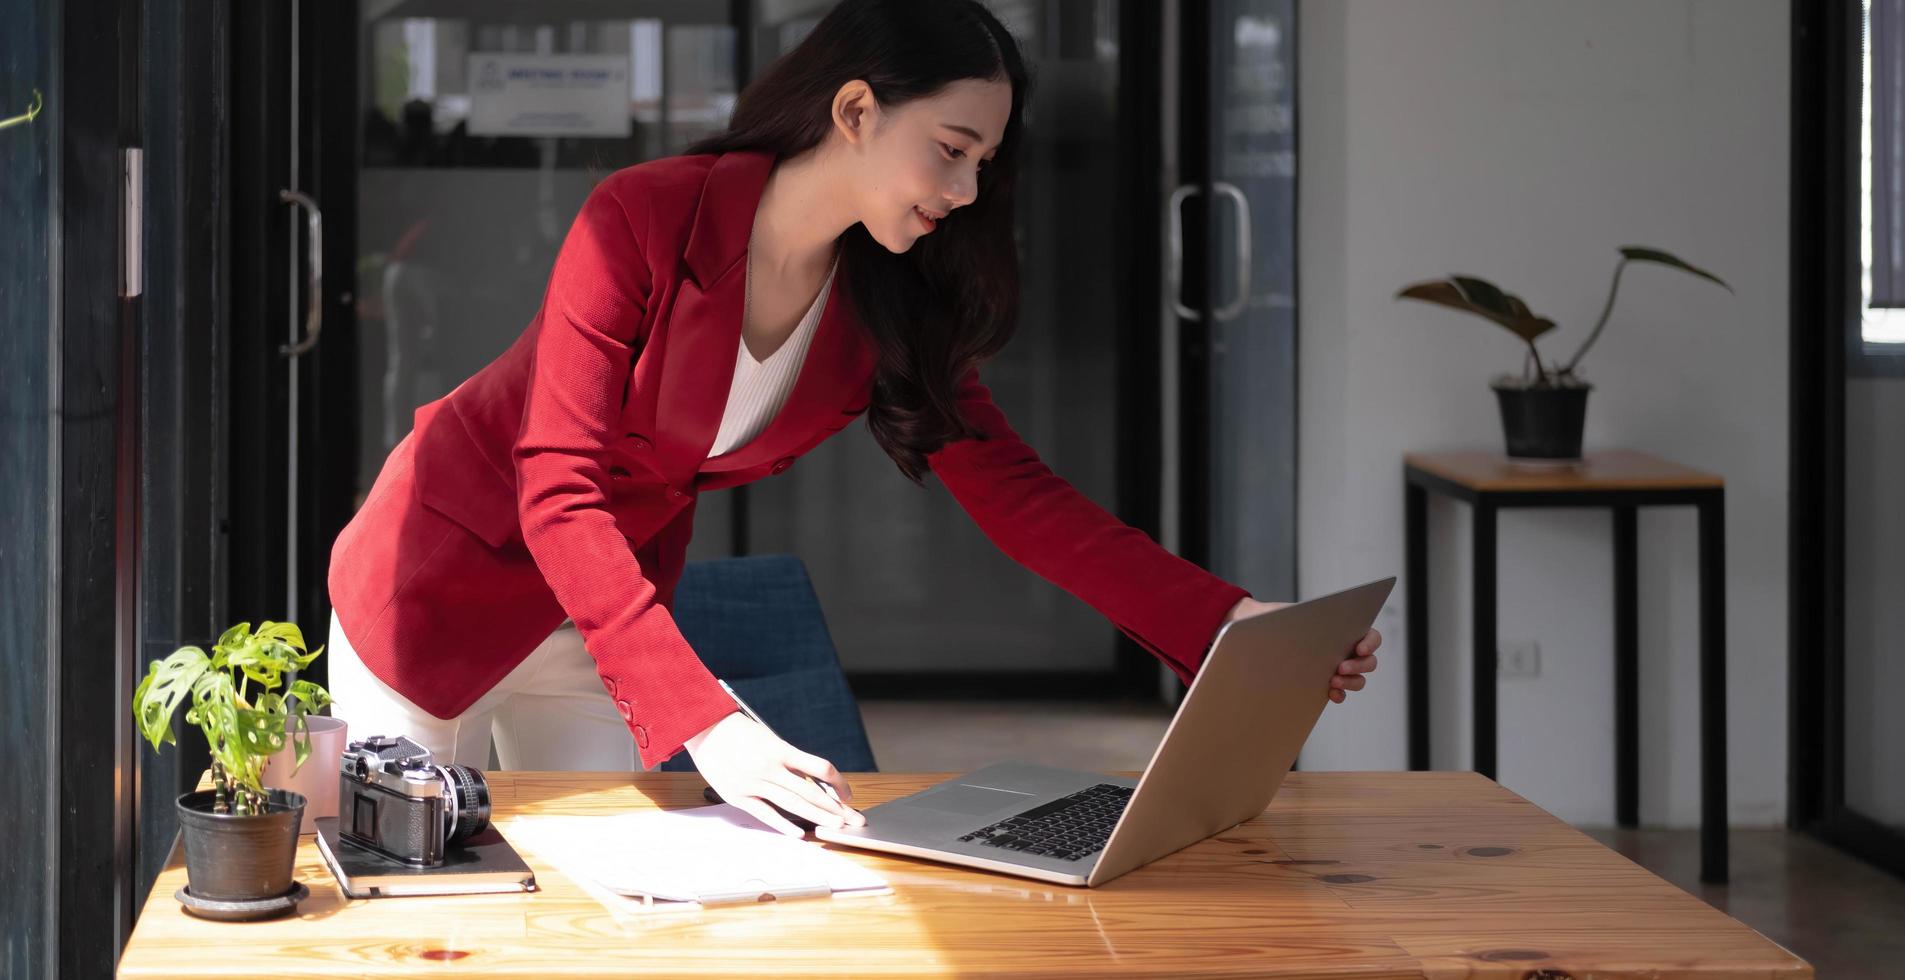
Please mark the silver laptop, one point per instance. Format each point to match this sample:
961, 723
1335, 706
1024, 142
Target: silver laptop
1235, 736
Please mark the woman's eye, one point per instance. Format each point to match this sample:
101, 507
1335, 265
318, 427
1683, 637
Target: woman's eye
952, 151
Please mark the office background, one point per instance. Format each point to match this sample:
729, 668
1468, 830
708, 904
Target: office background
147, 449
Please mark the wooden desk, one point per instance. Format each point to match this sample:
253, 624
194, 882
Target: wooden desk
1622, 481
1395, 874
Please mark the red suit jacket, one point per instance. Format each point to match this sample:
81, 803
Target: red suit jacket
560, 480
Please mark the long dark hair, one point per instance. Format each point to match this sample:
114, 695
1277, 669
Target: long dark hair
952, 300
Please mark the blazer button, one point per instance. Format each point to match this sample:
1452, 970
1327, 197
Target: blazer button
628, 713
618, 472
641, 736
780, 466
677, 494
637, 441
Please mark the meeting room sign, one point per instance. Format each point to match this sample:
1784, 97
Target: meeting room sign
549, 95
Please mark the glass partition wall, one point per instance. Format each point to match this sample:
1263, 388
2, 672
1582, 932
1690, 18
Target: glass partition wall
452, 183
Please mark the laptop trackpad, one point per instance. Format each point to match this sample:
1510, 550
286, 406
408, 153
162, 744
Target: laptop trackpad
968, 799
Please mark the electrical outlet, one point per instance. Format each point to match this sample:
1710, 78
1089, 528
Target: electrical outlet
1519, 658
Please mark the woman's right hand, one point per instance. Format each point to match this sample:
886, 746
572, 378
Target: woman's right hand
750, 768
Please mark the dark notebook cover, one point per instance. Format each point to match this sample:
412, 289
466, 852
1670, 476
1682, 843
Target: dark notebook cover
484, 863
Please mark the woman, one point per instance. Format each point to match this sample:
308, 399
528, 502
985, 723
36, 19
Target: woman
845, 248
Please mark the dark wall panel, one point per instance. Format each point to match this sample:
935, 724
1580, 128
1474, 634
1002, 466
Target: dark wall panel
28, 159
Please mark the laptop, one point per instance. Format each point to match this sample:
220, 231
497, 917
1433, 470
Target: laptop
1234, 738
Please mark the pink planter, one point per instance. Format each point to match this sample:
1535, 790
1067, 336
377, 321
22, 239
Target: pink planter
316, 780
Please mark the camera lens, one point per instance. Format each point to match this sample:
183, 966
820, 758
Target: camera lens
468, 813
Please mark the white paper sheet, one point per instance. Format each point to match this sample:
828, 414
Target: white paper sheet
703, 856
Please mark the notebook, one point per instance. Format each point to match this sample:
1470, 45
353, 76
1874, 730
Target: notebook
484, 863
712, 855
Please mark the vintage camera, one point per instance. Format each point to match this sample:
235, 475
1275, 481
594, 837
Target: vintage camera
394, 800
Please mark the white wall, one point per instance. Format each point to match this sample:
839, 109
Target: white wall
1522, 141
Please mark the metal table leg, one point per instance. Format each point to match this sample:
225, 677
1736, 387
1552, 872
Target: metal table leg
1416, 571
1713, 823
1626, 670
1485, 645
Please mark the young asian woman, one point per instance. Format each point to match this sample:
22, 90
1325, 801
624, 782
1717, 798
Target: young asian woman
844, 249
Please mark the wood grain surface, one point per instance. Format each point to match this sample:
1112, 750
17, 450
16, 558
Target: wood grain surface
1390, 874
1615, 469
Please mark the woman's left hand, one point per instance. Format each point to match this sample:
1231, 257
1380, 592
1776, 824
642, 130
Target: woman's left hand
1349, 674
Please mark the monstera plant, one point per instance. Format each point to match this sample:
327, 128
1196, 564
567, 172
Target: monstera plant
1544, 409
240, 837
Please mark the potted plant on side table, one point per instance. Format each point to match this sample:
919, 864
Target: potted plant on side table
1544, 409
241, 838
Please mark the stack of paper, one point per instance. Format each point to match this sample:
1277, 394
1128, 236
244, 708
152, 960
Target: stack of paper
704, 856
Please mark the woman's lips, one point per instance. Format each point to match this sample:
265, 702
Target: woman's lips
923, 219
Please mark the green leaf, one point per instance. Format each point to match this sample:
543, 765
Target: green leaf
301, 744
213, 686
259, 663
260, 732
234, 635
308, 696
214, 707
287, 632
1641, 253
166, 683
1483, 299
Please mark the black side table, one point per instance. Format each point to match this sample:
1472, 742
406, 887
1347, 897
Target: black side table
1620, 480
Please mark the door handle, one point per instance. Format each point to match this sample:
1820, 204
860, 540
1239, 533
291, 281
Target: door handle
1236, 306
314, 273
1230, 310
1176, 208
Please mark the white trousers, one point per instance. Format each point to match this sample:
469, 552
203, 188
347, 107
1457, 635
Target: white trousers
550, 713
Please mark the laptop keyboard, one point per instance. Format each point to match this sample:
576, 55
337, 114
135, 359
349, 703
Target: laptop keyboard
1067, 828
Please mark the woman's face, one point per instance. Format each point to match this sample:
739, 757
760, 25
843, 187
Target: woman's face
917, 162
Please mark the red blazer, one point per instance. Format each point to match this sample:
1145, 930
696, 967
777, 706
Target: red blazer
560, 480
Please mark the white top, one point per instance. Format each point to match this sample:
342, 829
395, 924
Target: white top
760, 388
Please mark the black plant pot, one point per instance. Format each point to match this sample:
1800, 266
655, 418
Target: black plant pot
1543, 423
229, 858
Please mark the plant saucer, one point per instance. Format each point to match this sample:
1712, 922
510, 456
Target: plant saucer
243, 911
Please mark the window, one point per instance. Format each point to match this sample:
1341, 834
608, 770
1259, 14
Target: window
1881, 341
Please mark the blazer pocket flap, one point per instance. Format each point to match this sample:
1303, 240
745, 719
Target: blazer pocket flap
455, 478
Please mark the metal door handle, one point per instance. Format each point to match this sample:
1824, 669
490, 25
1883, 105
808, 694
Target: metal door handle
1230, 310
314, 273
1236, 306
1176, 207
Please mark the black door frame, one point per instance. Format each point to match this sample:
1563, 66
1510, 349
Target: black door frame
95, 490
83, 765
181, 380
1824, 312
294, 127
1204, 58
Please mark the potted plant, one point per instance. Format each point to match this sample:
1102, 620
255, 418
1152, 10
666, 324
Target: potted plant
240, 837
1544, 409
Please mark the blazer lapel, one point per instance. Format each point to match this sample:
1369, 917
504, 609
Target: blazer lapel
703, 331
703, 337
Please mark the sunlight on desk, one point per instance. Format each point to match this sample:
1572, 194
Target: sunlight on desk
1363, 874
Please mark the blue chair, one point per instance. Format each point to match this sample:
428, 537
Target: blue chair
756, 623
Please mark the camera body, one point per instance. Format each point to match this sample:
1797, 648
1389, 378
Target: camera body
393, 798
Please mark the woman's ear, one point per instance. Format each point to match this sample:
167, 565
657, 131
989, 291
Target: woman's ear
856, 113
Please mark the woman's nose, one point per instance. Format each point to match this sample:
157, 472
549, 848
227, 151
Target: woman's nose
961, 193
